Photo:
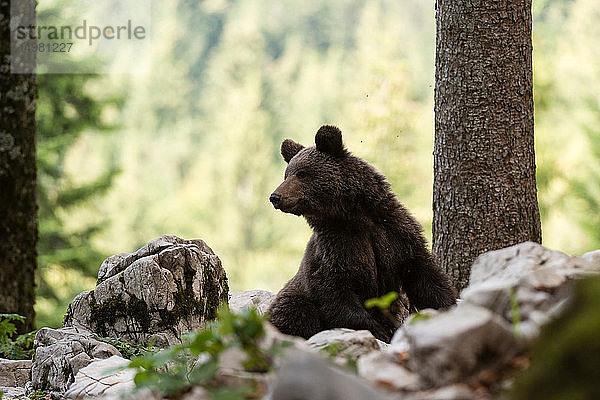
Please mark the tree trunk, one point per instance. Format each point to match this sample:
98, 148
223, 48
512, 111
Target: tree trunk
484, 194
18, 220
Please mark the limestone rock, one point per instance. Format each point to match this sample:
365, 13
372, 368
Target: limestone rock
102, 379
61, 353
343, 343
527, 279
529, 264
168, 287
14, 373
259, 299
592, 257
399, 343
451, 392
383, 369
305, 376
454, 345
13, 393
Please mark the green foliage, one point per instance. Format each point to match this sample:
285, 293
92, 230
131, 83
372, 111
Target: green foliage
566, 358
419, 316
65, 111
126, 348
333, 349
195, 362
382, 302
21, 348
39, 395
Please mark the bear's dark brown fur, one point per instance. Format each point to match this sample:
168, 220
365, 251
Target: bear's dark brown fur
365, 244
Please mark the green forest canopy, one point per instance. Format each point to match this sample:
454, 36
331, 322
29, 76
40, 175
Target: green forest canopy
196, 141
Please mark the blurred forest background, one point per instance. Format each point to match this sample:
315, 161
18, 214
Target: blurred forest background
192, 148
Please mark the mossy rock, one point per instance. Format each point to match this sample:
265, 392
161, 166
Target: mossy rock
166, 288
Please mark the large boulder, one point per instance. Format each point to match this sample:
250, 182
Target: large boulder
168, 287
455, 345
526, 284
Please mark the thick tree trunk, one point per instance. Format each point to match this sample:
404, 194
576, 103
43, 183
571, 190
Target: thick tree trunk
484, 194
18, 220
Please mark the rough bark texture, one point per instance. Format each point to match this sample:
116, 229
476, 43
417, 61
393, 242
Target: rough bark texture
484, 195
18, 221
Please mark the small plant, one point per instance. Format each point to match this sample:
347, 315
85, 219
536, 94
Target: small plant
334, 349
384, 302
126, 348
21, 347
39, 395
195, 362
515, 311
419, 316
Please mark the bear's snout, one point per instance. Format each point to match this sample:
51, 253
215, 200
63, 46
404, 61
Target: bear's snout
275, 199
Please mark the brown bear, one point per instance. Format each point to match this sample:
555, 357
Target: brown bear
365, 244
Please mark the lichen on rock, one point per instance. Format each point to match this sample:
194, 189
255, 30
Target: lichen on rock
168, 287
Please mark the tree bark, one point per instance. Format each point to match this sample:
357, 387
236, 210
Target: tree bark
484, 194
18, 220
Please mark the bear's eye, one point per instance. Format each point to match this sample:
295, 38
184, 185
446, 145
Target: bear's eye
301, 174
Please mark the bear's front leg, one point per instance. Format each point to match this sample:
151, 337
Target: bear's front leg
344, 309
294, 313
426, 285
340, 288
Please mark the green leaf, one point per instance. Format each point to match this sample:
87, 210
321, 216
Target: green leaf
418, 316
145, 378
382, 302
515, 311
12, 317
200, 342
203, 373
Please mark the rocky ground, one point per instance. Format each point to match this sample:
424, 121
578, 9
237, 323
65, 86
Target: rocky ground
472, 351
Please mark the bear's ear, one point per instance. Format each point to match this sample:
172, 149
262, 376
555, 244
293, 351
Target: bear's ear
289, 149
329, 140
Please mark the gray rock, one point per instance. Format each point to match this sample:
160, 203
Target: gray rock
343, 343
382, 369
592, 257
454, 345
259, 299
168, 287
13, 393
305, 376
60, 354
529, 264
14, 373
399, 343
102, 379
452, 392
524, 283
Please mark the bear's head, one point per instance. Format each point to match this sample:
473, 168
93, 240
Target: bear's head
325, 180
